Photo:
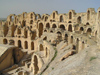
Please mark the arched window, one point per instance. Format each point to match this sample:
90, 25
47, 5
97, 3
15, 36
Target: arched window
25, 33
41, 47
89, 31
70, 28
26, 45
87, 23
46, 18
71, 39
81, 30
70, 15
31, 16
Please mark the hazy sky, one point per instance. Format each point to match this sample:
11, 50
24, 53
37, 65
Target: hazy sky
8, 7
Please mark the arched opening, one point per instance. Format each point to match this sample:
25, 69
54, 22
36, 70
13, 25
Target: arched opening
45, 38
12, 31
61, 18
31, 16
70, 28
32, 45
46, 18
51, 31
26, 45
33, 35
45, 30
79, 20
74, 47
36, 68
83, 45
40, 29
87, 23
5, 41
11, 42
88, 15
41, 47
19, 44
54, 26
59, 36
66, 37
81, 30
70, 15
31, 22
47, 25
69, 22
25, 33
89, 31
23, 23
71, 39
53, 15
62, 27
18, 31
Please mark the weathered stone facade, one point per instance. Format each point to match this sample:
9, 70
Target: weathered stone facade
38, 35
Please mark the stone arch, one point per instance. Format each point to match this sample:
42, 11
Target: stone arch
41, 47
23, 23
26, 45
46, 18
47, 25
36, 68
59, 35
54, 26
45, 30
79, 20
70, 28
51, 31
69, 22
81, 29
5, 41
31, 15
70, 15
61, 18
74, 47
19, 44
53, 15
62, 27
33, 35
88, 15
45, 38
40, 29
32, 45
89, 30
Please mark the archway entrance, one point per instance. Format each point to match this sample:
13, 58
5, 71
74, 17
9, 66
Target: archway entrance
19, 44
70, 28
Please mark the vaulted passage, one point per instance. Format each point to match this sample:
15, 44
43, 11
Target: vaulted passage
70, 28
19, 44
32, 45
36, 68
40, 29
5, 41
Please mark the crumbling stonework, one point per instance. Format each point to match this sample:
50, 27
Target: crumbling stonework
39, 35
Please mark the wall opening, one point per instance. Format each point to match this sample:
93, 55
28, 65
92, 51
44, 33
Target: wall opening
45, 38
5, 41
61, 19
89, 31
70, 28
33, 35
45, 30
18, 31
47, 25
66, 37
36, 68
26, 45
32, 45
88, 15
79, 20
87, 23
83, 45
59, 36
70, 15
46, 18
40, 29
71, 39
19, 44
25, 33
31, 22
41, 47
53, 15
81, 30
62, 27
54, 26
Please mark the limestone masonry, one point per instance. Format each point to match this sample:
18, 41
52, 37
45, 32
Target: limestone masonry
31, 41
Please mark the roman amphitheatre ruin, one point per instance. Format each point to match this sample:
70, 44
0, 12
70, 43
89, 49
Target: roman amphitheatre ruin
55, 44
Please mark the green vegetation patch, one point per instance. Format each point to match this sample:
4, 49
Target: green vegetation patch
92, 58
